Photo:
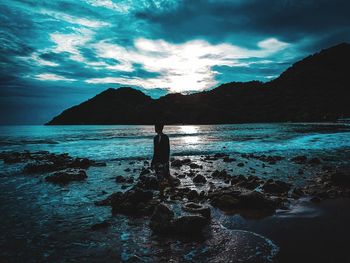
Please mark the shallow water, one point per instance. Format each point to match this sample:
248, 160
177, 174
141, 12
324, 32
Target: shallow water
130, 141
45, 222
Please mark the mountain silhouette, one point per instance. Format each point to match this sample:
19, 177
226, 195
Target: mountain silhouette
317, 88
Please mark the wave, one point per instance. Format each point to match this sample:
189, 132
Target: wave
24, 142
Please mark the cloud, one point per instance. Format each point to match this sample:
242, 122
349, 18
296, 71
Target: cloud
74, 20
52, 77
182, 67
70, 50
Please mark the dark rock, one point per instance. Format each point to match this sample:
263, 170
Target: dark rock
315, 199
199, 179
135, 201
220, 174
299, 159
64, 177
145, 171
195, 166
246, 200
120, 179
229, 160
129, 180
148, 182
113, 198
127, 170
240, 164
193, 194
100, 226
195, 208
340, 179
297, 193
41, 167
189, 224
249, 184
99, 164
314, 161
178, 162
162, 219
276, 187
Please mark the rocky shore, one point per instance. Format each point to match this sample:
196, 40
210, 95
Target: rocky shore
185, 208
235, 184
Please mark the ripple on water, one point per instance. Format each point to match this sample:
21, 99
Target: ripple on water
239, 246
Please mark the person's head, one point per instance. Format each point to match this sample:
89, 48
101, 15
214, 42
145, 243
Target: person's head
158, 128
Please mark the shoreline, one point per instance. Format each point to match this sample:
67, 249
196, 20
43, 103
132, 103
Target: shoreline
188, 170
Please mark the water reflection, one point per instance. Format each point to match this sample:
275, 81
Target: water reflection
189, 129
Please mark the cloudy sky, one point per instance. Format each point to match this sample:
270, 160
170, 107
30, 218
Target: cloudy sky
54, 54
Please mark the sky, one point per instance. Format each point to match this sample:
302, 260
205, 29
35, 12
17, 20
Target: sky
55, 54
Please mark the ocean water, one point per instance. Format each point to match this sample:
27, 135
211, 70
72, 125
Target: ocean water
134, 141
43, 222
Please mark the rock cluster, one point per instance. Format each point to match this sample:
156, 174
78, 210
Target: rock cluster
64, 167
164, 221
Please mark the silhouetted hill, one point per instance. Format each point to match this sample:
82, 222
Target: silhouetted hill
313, 89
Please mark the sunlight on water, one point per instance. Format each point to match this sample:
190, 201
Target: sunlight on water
189, 129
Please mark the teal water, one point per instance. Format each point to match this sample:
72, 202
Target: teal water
130, 141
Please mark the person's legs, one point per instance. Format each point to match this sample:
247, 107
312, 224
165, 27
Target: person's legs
161, 175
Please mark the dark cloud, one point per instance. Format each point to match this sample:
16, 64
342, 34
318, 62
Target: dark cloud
215, 20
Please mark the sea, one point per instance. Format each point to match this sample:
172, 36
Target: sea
135, 141
44, 222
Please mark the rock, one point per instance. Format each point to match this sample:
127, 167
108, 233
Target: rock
297, 193
249, 184
41, 167
226, 201
276, 187
220, 174
199, 179
127, 170
255, 200
240, 164
83, 163
195, 208
64, 177
113, 198
315, 199
193, 194
242, 200
162, 219
314, 161
135, 201
340, 179
299, 159
148, 182
120, 179
229, 160
189, 224
100, 226
178, 162
145, 171
195, 166
137, 195
99, 164
129, 180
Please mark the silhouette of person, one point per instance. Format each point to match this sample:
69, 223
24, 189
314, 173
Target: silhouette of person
160, 160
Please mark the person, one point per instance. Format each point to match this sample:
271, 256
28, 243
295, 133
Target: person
160, 160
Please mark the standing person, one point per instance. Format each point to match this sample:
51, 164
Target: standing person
160, 160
